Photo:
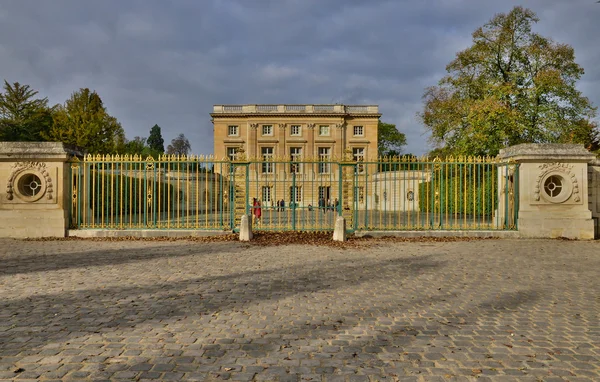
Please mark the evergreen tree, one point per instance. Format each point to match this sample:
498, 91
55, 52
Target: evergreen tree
23, 117
389, 140
84, 121
155, 140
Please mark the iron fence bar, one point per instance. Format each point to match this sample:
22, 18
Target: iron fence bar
506, 188
516, 197
78, 190
113, 192
293, 200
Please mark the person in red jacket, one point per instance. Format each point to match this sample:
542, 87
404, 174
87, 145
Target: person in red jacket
257, 212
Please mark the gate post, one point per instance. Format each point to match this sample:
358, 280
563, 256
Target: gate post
552, 190
36, 177
343, 185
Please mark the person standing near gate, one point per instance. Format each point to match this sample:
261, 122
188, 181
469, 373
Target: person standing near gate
258, 212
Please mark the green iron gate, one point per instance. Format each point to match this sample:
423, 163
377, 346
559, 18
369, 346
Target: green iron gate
408, 193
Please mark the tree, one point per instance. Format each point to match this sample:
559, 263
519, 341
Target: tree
511, 86
441, 152
179, 146
156, 141
389, 140
137, 146
84, 121
23, 117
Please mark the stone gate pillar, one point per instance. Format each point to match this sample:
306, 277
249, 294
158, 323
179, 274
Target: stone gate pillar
35, 194
553, 190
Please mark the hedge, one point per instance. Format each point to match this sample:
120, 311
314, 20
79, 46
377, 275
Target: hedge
470, 194
129, 192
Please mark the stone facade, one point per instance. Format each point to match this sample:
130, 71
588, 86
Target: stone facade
35, 200
553, 190
398, 190
302, 132
283, 127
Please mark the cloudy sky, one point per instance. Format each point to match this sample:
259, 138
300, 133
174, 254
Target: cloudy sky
168, 62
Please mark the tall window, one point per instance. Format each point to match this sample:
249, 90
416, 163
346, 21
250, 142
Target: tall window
358, 154
267, 156
267, 130
266, 193
324, 130
358, 131
324, 192
232, 153
296, 156
324, 158
296, 194
295, 130
232, 130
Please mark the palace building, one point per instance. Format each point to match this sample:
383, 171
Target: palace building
294, 131
294, 150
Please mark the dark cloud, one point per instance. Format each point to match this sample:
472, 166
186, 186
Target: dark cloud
168, 62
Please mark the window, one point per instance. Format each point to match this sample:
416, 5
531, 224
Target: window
232, 153
553, 186
358, 131
358, 154
324, 158
295, 130
295, 156
324, 192
295, 194
267, 130
232, 130
266, 193
324, 130
267, 156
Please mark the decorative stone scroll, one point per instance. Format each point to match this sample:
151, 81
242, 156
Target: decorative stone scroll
556, 183
30, 181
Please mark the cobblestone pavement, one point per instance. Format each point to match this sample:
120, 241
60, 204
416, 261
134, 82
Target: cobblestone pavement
501, 310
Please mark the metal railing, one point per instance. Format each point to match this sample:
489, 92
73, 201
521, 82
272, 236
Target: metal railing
124, 192
407, 193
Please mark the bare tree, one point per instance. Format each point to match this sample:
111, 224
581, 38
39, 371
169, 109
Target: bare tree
179, 146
